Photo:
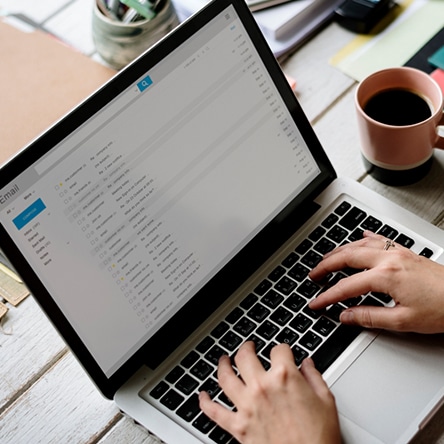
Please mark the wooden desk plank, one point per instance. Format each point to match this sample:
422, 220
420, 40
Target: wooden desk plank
125, 431
424, 198
62, 406
28, 351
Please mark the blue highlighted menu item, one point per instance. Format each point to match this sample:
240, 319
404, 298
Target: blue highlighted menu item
29, 214
144, 84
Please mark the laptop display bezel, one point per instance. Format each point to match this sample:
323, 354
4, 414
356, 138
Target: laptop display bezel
236, 271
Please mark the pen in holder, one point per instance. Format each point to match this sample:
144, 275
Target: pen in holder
122, 32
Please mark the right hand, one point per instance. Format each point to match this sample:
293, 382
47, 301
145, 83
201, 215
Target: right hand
415, 283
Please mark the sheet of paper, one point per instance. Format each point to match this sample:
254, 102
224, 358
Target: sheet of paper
3, 309
12, 291
419, 21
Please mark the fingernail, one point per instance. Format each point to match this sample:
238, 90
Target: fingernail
347, 316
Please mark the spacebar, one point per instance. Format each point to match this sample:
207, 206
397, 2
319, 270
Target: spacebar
327, 353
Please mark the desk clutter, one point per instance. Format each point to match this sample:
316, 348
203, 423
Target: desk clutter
122, 30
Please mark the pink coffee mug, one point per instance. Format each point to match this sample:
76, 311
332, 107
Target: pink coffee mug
399, 112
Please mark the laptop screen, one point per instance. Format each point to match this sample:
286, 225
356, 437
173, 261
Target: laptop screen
128, 216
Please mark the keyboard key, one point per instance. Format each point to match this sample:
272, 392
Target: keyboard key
201, 370
258, 313
324, 326
190, 408
352, 302
272, 299
244, 327
159, 390
287, 336
220, 436
426, 252
352, 219
301, 323
225, 399
294, 302
370, 300
308, 289
405, 241
299, 354
304, 246
230, 341
342, 208
214, 354
205, 344
203, 423
315, 314
386, 298
281, 316
263, 287
316, 234
219, 330
267, 330
172, 399
356, 235
186, 384
267, 350
311, 259
334, 312
276, 274
258, 342
337, 234
329, 351
310, 340
299, 272
210, 386
324, 246
249, 301
234, 316
330, 220
285, 285
189, 359
290, 260
174, 374
388, 232
372, 224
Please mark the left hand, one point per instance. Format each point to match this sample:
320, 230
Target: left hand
279, 406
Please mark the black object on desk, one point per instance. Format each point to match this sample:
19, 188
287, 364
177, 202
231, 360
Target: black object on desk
362, 16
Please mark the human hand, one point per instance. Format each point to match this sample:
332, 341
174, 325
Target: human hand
279, 406
415, 283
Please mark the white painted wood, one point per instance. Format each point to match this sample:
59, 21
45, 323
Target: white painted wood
61, 407
125, 431
32, 346
424, 198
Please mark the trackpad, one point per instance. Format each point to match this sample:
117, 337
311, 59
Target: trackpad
391, 383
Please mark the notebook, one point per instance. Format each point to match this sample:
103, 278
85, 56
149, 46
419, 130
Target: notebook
174, 214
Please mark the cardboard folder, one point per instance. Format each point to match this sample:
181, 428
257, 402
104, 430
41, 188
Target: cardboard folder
41, 79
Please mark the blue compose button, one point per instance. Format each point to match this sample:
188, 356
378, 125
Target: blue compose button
29, 214
144, 84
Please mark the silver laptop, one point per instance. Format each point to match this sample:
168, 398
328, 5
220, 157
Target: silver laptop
175, 214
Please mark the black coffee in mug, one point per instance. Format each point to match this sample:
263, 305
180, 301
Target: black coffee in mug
398, 107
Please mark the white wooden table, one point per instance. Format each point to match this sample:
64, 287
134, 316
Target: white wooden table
45, 397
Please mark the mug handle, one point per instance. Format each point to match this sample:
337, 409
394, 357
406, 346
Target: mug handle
440, 139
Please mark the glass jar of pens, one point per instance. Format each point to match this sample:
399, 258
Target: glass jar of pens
123, 29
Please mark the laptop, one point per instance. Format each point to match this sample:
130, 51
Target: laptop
175, 214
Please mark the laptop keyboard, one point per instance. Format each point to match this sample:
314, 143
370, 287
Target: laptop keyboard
277, 311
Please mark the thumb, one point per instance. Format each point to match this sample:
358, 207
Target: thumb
365, 316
